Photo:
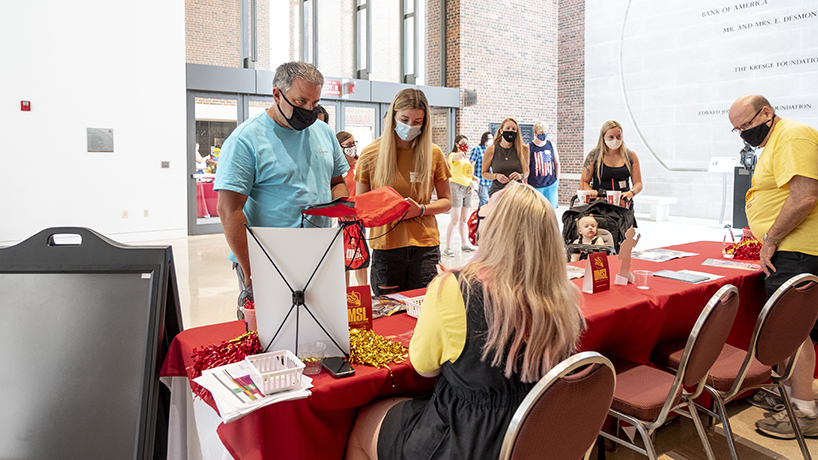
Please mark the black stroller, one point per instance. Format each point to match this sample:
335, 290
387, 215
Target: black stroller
612, 219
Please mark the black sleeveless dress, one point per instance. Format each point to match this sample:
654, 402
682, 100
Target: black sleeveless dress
501, 165
467, 414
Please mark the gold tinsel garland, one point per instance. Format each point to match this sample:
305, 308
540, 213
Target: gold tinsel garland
367, 347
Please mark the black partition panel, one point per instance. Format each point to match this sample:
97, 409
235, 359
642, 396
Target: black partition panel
84, 327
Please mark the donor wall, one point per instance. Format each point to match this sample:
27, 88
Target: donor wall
669, 70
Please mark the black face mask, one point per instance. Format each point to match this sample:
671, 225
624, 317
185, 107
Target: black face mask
301, 118
755, 136
509, 136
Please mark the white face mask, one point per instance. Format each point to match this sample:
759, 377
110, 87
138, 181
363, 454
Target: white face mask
613, 144
406, 132
351, 151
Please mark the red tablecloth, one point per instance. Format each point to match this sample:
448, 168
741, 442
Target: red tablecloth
316, 427
624, 321
629, 322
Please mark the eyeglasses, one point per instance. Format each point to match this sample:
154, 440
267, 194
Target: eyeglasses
350, 144
746, 126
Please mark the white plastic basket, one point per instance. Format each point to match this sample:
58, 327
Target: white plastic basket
413, 305
275, 371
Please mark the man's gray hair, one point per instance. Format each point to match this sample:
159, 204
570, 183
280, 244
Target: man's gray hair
287, 73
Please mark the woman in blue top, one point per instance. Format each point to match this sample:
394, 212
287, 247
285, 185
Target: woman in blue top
544, 165
611, 166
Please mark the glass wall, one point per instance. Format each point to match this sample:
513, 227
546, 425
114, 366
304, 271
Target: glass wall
322, 32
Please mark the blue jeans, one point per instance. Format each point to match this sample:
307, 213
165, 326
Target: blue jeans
483, 194
551, 193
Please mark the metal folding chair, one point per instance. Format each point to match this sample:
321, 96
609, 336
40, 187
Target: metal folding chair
783, 325
563, 413
645, 395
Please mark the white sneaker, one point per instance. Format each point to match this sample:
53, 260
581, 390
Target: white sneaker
448, 252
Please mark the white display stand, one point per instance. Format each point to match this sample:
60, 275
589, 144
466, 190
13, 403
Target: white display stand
723, 165
286, 261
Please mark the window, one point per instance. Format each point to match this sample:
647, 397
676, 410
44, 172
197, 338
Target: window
308, 32
409, 42
363, 40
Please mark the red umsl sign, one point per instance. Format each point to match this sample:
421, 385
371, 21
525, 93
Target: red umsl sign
349, 87
359, 307
331, 88
597, 275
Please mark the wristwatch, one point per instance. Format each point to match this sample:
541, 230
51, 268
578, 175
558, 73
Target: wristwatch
767, 239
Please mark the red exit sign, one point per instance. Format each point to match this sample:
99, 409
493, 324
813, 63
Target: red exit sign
331, 88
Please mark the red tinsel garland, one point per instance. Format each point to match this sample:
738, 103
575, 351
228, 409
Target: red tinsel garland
747, 249
228, 352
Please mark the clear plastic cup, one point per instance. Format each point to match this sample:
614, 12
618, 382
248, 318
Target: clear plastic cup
642, 278
614, 196
312, 355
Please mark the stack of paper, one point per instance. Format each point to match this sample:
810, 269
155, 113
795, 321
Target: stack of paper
731, 264
661, 255
575, 272
236, 395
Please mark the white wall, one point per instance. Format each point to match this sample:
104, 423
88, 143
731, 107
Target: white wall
682, 67
97, 64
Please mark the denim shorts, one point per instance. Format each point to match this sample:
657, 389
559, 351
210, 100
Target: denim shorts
403, 269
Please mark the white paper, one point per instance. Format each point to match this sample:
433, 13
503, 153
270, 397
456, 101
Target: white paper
575, 272
233, 404
660, 255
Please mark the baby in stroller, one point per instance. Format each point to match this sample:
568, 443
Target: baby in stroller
588, 230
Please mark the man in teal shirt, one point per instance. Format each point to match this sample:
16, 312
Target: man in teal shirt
278, 161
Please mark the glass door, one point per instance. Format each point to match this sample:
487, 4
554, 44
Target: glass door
362, 121
332, 110
214, 118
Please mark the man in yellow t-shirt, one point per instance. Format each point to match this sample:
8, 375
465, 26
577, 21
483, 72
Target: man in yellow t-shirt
781, 208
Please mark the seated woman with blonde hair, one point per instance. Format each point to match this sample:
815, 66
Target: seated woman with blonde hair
490, 332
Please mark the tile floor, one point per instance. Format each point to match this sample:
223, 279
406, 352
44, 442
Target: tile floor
209, 290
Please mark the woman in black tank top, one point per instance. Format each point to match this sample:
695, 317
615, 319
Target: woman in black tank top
507, 157
611, 166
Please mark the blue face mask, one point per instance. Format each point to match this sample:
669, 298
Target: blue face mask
406, 132
542, 136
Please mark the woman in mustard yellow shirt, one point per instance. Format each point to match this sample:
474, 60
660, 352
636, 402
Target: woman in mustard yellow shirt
490, 332
405, 253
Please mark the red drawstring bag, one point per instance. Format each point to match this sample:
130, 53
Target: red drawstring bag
380, 206
356, 251
472, 225
374, 208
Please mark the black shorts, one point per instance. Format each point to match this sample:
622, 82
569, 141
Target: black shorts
788, 264
403, 269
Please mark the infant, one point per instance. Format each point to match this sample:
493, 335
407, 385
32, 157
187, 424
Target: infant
587, 229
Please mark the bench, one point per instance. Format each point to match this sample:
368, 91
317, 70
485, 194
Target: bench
659, 205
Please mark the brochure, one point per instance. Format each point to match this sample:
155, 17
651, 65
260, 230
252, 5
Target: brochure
710, 276
679, 276
660, 255
731, 264
387, 305
236, 395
